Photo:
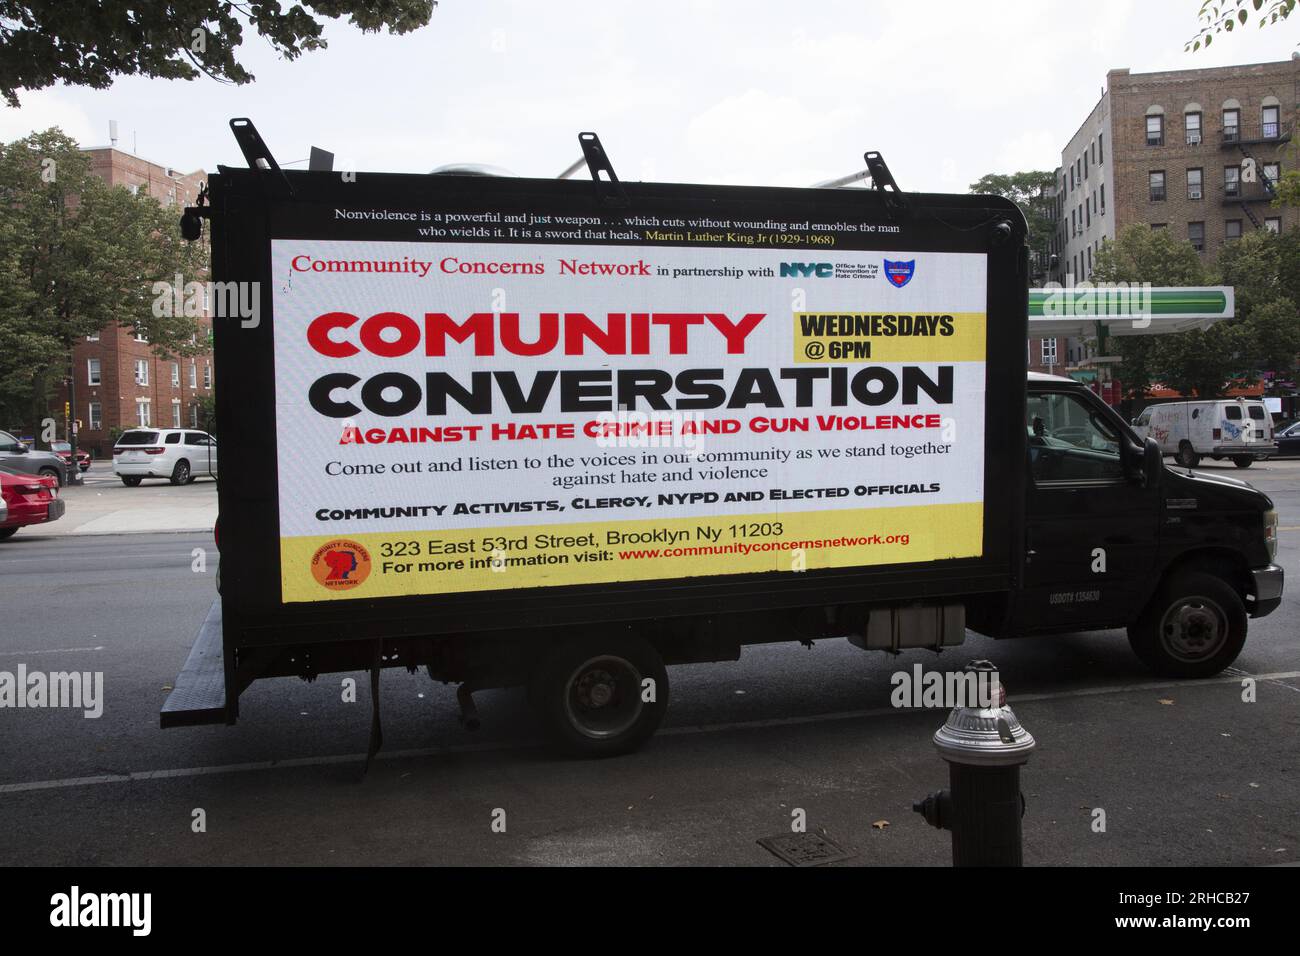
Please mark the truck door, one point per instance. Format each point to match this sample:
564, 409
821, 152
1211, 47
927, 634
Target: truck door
1091, 526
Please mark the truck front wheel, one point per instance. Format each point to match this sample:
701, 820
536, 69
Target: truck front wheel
1195, 626
600, 696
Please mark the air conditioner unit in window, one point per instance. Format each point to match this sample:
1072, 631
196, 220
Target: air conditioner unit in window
1193, 139
1194, 192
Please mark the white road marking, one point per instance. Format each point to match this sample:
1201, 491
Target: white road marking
334, 759
52, 650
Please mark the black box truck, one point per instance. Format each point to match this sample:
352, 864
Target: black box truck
559, 434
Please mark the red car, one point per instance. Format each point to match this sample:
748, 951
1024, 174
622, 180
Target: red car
64, 450
27, 499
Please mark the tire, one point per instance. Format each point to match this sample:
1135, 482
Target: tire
1195, 626
1217, 457
1243, 461
131, 481
1187, 456
181, 474
51, 473
7, 533
611, 670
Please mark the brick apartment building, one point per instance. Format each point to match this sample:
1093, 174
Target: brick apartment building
120, 382
1192, 151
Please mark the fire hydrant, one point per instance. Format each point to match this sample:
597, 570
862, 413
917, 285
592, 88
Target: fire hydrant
985, 748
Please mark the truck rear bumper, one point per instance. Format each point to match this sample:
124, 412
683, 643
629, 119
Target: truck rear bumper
1268, 589
199, 694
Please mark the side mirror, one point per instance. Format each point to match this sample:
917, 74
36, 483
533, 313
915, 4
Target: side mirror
21, 449
1153, 463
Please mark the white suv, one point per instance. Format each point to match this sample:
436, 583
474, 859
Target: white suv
178, 454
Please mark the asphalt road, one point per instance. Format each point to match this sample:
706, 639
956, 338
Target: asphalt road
1184, 772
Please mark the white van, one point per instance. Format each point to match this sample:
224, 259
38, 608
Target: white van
1240, 429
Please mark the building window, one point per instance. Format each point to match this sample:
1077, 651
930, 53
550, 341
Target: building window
1159, 225
1231, 180
1194, 177
1271, 126
141, 372
1101, 157
1049, 352
1155, 131
194, 415
1156, 185
1272, 173
1231, 125
1196, 235
1102, 194
176, 374
92, 371
176, 413
1089, 251
1273, 224
207, 376
95, 417
92, 337
1232, 229
1087, 212
141, 338
194, 376
1085, 165
142, 413
1192, 122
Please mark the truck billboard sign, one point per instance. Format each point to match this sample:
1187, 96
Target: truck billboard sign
460, 415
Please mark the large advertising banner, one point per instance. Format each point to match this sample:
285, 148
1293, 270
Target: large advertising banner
457, 417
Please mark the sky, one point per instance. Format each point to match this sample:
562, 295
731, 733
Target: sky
711, 91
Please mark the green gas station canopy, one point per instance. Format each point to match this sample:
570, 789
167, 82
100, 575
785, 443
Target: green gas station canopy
1134, 310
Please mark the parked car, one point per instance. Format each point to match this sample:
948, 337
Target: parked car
27, 499
64, 450
1288, 441
15, 455
1240, 429
177, 454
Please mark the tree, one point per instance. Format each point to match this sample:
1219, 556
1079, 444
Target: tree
46, 41
77, 256
1264, 290
1186, 360
1222, 16
1031, 192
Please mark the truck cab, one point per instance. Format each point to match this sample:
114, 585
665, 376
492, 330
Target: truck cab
1115, 539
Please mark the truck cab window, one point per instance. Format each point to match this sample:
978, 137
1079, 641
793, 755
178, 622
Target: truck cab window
1070, 442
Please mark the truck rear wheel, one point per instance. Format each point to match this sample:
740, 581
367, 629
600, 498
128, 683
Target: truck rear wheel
600, 696
1195, 626
1187, 456
1242, 461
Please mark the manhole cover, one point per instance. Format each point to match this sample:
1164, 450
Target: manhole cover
805, 849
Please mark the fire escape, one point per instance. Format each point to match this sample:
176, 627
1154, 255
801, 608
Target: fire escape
1263, 189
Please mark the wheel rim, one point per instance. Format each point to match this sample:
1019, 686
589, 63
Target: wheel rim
1194, 628
182, 473
602, 697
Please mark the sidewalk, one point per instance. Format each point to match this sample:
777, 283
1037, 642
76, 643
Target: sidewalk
103, 505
